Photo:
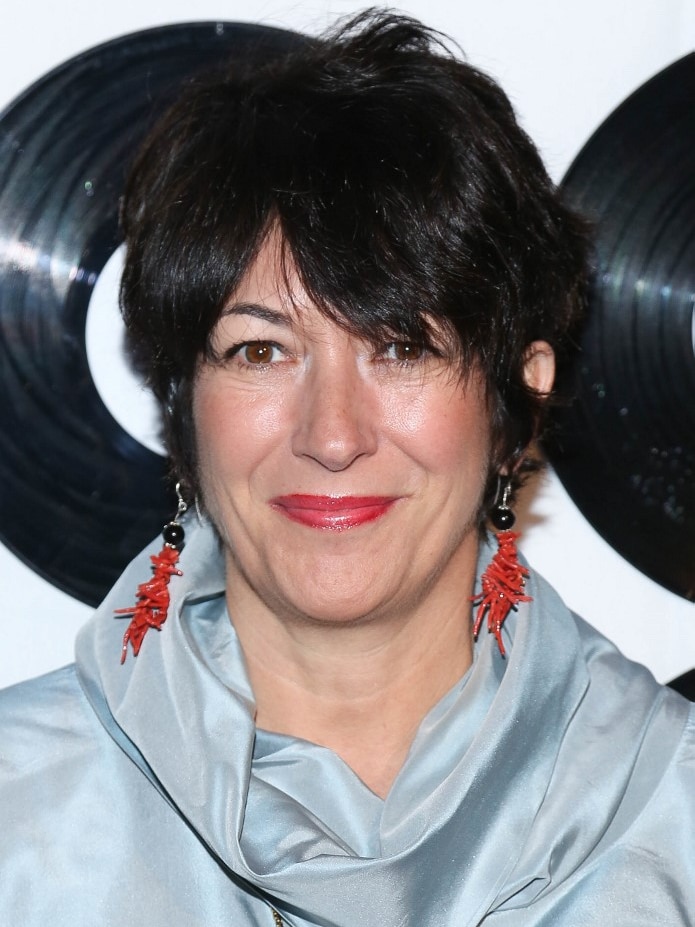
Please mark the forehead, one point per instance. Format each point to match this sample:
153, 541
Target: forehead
272, 280
272, 289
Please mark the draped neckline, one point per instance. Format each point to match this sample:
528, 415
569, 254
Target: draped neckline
288, 818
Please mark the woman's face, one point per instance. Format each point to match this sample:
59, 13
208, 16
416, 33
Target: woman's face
345, 479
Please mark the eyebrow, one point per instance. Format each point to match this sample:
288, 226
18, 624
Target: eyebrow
264, 313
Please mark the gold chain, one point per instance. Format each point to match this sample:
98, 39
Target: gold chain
276, 917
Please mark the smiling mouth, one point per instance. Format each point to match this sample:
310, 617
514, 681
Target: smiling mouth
333, 512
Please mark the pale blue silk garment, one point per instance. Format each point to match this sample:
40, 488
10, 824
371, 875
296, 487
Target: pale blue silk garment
553, 787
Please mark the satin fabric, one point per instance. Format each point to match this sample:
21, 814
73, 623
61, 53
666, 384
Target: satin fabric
556, 786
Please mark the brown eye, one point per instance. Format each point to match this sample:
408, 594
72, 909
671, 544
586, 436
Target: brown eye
404, 351
258, 352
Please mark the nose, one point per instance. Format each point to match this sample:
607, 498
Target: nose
336, 416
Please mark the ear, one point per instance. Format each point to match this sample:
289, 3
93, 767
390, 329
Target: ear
539, 367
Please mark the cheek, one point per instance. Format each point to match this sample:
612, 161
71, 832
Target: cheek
216, 429
447, 430
204, 447
234, 429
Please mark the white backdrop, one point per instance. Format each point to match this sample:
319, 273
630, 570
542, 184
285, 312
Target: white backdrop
565, 65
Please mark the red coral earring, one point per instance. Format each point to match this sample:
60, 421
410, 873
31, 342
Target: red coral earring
504, 578
152, 605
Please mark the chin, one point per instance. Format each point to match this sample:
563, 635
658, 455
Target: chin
338, 611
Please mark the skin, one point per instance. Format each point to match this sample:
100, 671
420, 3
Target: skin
350, 636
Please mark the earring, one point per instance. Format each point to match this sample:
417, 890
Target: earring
153, 596
501, 515
504, 578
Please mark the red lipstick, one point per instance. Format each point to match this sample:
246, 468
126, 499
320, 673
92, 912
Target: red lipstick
336, 512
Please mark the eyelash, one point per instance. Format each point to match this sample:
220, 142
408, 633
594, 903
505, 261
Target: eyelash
238, 349
419, 353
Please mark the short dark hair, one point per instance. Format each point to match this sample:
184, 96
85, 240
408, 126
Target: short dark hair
404, 191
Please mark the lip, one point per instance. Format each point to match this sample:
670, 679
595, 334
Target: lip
334, 512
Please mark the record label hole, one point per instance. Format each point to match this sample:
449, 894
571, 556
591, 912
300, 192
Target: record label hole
121, 390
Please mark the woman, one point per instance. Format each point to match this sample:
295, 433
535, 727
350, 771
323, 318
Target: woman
348, 278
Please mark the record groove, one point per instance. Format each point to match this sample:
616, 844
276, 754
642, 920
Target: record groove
79, 497
625, 451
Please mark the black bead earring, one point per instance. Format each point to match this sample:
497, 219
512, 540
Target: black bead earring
501, 515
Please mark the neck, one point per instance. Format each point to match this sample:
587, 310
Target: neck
360, 689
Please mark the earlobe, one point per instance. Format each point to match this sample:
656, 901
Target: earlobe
539, 367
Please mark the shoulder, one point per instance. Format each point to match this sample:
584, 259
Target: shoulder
643, 864
614, 838
622, 692
43, 722
639, 739
625, 712
54, 756
34, 692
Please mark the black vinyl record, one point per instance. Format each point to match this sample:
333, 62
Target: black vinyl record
79, 496
625, 451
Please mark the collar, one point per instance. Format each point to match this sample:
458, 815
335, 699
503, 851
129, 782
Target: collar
183, 711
